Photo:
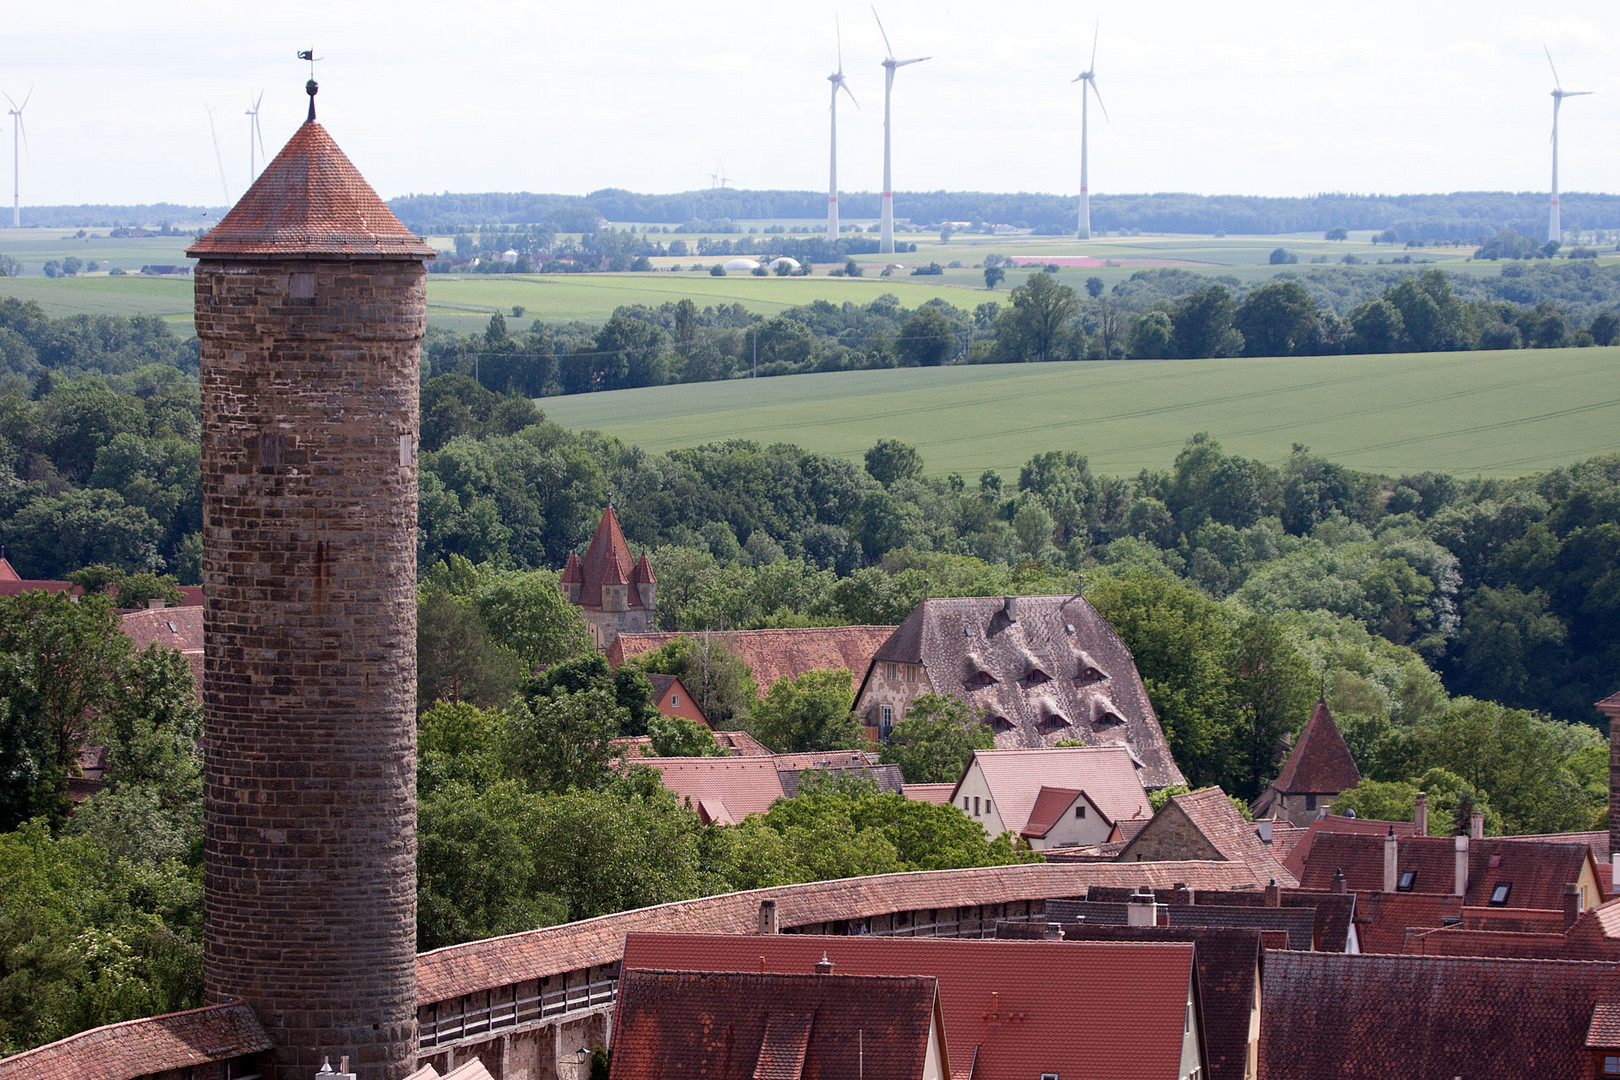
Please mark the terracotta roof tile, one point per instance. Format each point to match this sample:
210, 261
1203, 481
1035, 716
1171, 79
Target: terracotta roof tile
959, 637
1229, 962
606, 562
134, 1048
1333, 823
1383, 920
1139, 987
1105, 773
1212, 814
1604, 1031
176, 628
1610, 703
1410, 1017
1320, 761
722, 790
749, 1025
1535, 872
6, 572
1597, 841
310, 202
776, 654
1333, 911
740, 743
479, 965
1051, 804
939, 794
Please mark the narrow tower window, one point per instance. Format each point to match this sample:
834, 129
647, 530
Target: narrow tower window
405, 450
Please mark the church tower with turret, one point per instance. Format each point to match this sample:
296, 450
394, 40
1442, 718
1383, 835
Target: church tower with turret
310, 311
616, 594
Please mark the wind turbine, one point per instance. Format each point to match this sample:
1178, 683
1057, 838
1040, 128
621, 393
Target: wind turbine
16, 112
838, 83
218, 158
890, 65
1555, 227
714, 177
254, 134
1089, 78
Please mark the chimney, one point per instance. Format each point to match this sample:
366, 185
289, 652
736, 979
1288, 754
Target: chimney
1009, 605
1462, 864
767, 917
1420, 814
1262, 829
1337, 888
1054, 932
1389, 860
1476, 825
156, 603
1273, 894
1572, 904
824, 966
1181, 893
1141, 910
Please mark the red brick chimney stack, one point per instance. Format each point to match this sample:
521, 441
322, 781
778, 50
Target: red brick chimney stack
310, 310
1420, 814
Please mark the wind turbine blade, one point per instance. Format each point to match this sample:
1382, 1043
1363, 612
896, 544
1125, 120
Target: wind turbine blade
885, 33
913, 60
30, 94
9, 98
1095, 31
844, 86
1556, 80
1100, 104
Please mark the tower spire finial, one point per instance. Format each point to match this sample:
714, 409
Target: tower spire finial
312, 87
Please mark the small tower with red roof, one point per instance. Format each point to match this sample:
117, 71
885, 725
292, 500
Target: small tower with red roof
1319, 769
310, 311
617, 595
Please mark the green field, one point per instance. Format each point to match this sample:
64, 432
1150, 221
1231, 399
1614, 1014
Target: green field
1467, 413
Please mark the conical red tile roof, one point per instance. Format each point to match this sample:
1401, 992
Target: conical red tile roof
310, 202
1320, 762
607, 562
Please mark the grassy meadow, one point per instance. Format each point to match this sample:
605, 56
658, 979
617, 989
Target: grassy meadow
1469, 413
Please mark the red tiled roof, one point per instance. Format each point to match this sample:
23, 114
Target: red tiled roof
777, 654
1285, 836
479, 965
1051, 803
1604, 1031
1320, 761
958, 638
1536, 872
14, 587
1032, 1026
1229, 962
1331, 932
134, 1048
1105, 773
310, 202
1597, 841
740, 743
606, 561
938, 794
1610, 703
723, 790
175, 628
6, 572
1383, 919
751, 1025
1332, 1017
1461, 941
1333, 823
1218, 821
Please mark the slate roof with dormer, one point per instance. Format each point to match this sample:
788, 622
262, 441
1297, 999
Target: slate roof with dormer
310, 202
1048, 667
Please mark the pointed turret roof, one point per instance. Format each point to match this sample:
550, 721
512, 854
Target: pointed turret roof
571, 571
310, 202
644, 572
606, 562
1320, 761
6, 572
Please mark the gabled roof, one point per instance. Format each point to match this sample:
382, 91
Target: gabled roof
1333, 910
723, 790
959, 637
1409, 1017
156, 1044
175, 628
1032, 1025
1295, 858
1610, 704
1051, 806
776, 654
1229, 964
6, 572
310, 202
1212, 814
1105, 773
607, 561
1320, 761
753, 1025
1536, 872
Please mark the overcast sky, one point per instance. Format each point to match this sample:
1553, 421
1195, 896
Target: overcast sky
1249, 97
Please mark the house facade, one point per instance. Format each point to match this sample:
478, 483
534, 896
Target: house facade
1059, 797
1041, 670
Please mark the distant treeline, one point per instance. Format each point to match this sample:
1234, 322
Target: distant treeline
100, 216
1464, 215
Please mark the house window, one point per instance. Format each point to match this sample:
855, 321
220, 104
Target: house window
980, 678
674, 701
888, 671
1080, 811
885, 721
1037, 677
1052, 721
1499, 895
1049, 1076
1000, 724
1407, 879
1611, 1064
1110, 719
1310, 802
1090, 674
975, 806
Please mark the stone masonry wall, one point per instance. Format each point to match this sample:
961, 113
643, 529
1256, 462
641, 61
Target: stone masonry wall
310, 413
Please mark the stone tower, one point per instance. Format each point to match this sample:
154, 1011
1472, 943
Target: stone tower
310, 310
617, 594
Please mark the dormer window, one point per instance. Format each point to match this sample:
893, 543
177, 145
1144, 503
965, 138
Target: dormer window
1036, 677
1499, 895
998, 724
1408, 879
1089, 674
1054, 721
1109, 718
980, 679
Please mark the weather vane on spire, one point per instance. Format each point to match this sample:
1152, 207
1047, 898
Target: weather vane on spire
311, 87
